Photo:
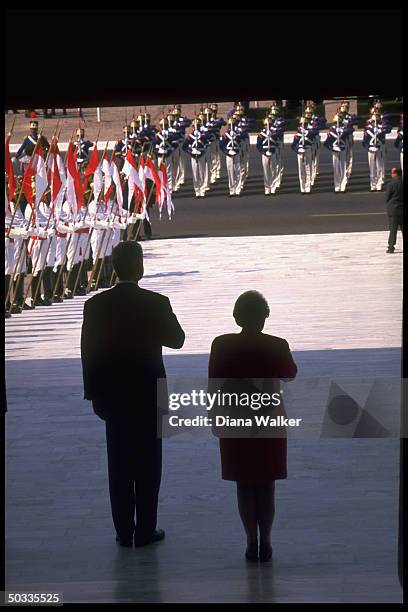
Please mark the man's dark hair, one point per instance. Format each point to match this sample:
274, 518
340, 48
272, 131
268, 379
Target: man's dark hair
127, 260
397, 171
250, 306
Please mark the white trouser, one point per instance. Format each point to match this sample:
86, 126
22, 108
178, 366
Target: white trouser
305, 170
198, 167
52, 252
60, 248
73, 251
339, 170
182, 166
279, 161
349, 155
20, 257
37, 249
401, 161
115, 237
8, 256
270, 171
169, 171
315, 159
376, 166
175, 162
245, 147
213, 166
217, 159
234, 173
99, 242
207, 169
108, 243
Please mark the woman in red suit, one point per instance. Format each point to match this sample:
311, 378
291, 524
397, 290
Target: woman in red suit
253, 462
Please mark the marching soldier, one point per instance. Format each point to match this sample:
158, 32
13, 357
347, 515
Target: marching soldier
399, 141
122, 146
268, 145
317, 123
230, 146
195, 145
243, 126
374, 142
207, 129
164, 144
303, 145
336, 142
78, 248
27, 147
277, 124
100, 241
218, 123
16, 235
180, 123
349, 121
41, 232
81, 149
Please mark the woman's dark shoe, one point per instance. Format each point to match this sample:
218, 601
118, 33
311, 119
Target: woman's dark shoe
251, 553
265, 552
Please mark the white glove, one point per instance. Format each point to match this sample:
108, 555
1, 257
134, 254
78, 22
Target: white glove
67, 229
51, 232
132, 219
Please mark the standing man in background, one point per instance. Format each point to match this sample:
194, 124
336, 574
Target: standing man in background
394, 197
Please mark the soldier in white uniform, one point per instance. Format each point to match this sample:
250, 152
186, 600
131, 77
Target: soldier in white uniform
196, 145
303, 146
374, 143
16, 235
39, 249
267, 144
277, 125
218, 123
78, 249
230, 144
349, 120
164, 144
336, 142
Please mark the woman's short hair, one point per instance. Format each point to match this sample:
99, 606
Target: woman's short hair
127, 260
250, 306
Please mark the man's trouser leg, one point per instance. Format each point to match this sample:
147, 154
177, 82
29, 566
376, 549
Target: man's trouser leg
213, 174
207, 161
308, 170
395, 221
230, 172
147, 485
380, 168
176, 168
266, 165
372, 165
301, 170
120, 450
196, 176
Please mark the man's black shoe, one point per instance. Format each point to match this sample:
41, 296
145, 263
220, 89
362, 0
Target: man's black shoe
390, 250
127, 543
158, 535
58, 299
68, 294
7, 314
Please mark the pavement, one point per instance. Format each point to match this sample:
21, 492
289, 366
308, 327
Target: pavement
335, 295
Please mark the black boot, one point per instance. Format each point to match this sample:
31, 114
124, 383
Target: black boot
95, 283
36, 299
58, 284
72, 276
18, 302
47, 284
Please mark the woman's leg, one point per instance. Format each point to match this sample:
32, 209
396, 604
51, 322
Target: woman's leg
265, 510
247, 510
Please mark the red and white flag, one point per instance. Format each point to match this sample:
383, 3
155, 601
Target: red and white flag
134, 183
165, 195
107, 179
12, 183
118, 183
75, 194
95, 168
151, 173
56, 177
142, 175
36, 170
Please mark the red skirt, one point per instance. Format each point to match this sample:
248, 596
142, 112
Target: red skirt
253, 459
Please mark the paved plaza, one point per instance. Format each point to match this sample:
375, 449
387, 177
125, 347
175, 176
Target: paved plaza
337, 299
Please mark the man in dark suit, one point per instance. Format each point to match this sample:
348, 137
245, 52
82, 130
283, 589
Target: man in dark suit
394, 198
123, 332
